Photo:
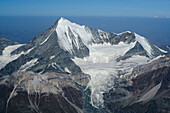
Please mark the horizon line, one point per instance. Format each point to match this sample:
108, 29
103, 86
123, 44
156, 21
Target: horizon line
82, 16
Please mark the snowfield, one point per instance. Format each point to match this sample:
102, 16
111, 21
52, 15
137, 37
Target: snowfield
101, 64
103, 68
6, 57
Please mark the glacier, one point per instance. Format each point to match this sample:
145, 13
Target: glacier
100, 63
103, 67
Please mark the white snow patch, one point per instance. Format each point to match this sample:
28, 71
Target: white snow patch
163, 51
55, 66
52, 57
150, 94
6, 57
124, 32
67, 70
156, 58
144, 44
46, 38
29, 50
28, 65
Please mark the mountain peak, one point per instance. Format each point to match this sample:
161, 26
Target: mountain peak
61, 21
62, 18
124, 32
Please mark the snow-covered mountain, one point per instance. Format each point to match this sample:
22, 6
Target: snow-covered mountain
74, 56
70, 40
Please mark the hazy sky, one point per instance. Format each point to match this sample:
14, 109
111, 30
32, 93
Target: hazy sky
149, 8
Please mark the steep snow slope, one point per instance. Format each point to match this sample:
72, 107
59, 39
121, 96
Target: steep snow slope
6, 57
144, 44
71, 36
94, 51
63, 29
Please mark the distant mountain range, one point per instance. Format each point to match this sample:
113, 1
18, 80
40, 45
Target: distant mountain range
72, 68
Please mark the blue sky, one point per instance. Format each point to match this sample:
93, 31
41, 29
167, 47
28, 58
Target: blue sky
144, 8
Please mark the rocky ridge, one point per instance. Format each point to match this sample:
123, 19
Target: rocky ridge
73, 68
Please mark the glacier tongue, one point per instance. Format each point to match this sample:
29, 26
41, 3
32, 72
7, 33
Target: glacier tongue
103, 49
103, 68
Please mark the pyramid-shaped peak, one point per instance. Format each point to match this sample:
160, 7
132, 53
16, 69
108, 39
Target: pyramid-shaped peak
62, 18
62, 22
65, 22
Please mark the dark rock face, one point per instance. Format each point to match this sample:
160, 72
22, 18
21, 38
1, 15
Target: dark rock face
51, 56
43, 53
126, 99
72, 95
124, 37
22, 93
4, 96
55, 84
45, 103
161, 101
136, 50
